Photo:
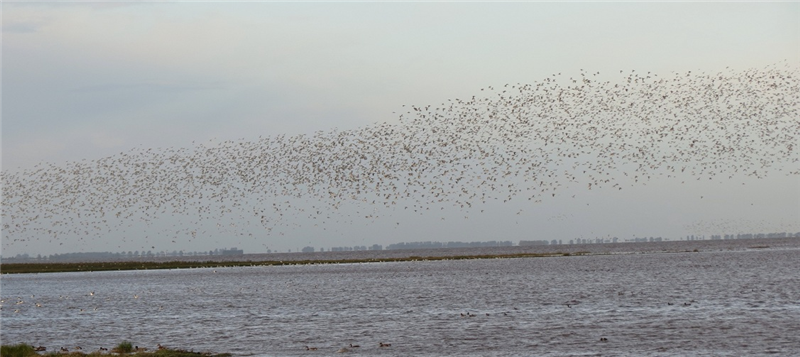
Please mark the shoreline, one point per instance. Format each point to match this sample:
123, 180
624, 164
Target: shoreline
27, 268
400, 255
26, 350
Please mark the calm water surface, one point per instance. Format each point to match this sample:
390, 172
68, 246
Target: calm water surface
725, 302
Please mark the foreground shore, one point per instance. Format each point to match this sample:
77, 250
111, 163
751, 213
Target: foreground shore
277, 259
25, 350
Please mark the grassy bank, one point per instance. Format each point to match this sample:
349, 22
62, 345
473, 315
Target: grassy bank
18, 268
24, 350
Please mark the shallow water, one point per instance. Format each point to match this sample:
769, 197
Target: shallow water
720, 302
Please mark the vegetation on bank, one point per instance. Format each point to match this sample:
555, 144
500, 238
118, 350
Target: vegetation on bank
18, 268
123, 349
20, 350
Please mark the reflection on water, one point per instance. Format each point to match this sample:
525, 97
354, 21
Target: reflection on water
739, 302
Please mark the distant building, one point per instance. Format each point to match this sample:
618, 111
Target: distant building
451, 244
232, 251
533, 242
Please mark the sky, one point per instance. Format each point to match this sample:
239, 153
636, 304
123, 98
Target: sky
85, 81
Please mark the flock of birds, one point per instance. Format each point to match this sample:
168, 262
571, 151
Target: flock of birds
515, 142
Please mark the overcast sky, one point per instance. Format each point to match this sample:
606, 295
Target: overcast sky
91, 80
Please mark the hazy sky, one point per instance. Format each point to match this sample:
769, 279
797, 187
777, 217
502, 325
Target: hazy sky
91, 80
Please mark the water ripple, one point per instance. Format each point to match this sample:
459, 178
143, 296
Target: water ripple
710, 303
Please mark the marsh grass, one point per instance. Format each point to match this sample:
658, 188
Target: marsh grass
20, 350
184, 353
123, 347
23, 350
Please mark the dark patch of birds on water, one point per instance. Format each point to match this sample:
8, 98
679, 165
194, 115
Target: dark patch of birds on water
519, 141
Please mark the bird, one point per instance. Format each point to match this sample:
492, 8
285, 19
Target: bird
531, 141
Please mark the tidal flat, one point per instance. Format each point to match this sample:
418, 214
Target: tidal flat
701, 298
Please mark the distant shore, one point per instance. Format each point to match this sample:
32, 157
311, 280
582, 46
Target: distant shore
400, 255
21, 268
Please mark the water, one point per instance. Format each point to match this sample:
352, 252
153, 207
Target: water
718, 302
